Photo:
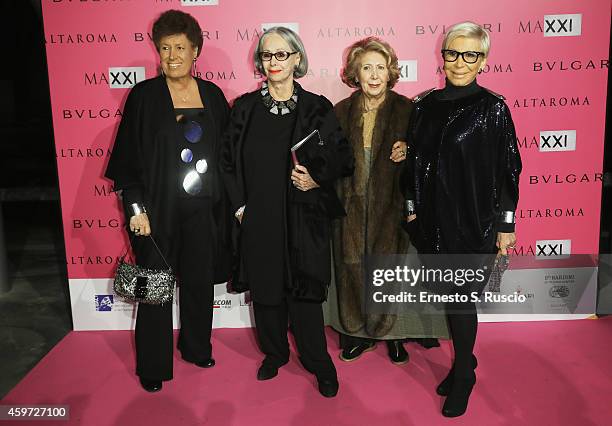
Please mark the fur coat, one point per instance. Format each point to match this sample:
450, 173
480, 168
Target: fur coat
373, 206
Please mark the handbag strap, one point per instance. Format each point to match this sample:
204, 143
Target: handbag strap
154, 243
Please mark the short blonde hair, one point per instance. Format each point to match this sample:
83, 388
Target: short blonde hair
471, 30
355, 51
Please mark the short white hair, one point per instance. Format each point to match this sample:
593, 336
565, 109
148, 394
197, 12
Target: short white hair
470, 30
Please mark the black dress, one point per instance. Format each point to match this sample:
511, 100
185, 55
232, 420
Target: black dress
267, 171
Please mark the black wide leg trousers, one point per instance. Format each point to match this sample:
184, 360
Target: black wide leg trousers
154, 344
306, 319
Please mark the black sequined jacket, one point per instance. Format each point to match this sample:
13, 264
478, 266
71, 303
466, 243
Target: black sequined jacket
462, 172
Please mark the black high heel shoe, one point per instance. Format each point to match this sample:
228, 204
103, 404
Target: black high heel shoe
445, 385
456, 402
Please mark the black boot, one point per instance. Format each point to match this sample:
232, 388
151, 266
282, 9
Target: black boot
457, 400
150, 385
445, 385
397, 352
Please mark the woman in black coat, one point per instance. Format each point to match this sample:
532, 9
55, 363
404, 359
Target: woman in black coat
285, 210
164, 162
462, 188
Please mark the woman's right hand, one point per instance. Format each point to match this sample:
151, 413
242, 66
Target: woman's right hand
410, 218
139, 225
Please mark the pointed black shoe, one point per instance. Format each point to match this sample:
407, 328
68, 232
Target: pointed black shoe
445, 385
397, 352
456, 402
328, 387
267, 372
354, 353
150, 385
209, 363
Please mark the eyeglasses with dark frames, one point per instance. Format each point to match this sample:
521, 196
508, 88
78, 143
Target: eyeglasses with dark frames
468, 57
281, 55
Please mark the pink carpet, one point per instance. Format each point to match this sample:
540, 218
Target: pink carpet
544, 373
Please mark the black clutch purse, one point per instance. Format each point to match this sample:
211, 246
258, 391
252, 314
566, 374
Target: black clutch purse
144, 285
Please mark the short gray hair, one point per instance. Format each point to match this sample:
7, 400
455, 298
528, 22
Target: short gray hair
470, 30
295, 43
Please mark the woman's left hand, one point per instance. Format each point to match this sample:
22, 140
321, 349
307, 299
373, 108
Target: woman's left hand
505, 241
399, 151
301, 178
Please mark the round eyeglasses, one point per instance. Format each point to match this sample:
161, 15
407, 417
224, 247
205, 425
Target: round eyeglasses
281, 55
468, 57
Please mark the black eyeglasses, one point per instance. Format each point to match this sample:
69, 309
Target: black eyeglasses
468, 57
281, 55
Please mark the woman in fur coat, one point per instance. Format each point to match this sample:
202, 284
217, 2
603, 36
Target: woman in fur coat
375, 121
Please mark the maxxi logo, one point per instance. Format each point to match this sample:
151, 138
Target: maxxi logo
408, 70
291, 25
557, 140
125, 77
553, 249
199, 2
562, 25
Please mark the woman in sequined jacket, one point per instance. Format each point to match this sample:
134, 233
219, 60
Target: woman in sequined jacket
461, 186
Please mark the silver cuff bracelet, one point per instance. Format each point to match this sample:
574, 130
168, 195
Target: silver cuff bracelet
507, 216
409, 208
137, 209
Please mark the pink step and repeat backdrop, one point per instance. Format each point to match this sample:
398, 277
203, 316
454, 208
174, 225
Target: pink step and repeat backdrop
549, 59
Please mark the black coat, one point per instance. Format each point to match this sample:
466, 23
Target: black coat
307, 214
144, 161
463, 171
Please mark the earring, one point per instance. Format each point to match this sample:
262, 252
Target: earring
480, 71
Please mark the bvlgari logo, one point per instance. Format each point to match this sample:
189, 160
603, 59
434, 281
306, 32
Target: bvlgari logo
408, 70
294, 26
562, 25
82, 223
207, 34
549, 213
81, 38
488, 68
553, 249
433, 29
199, 2
571, 65
569, 178
83, 153
561, 101
557, 140
356, 31
90, 114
